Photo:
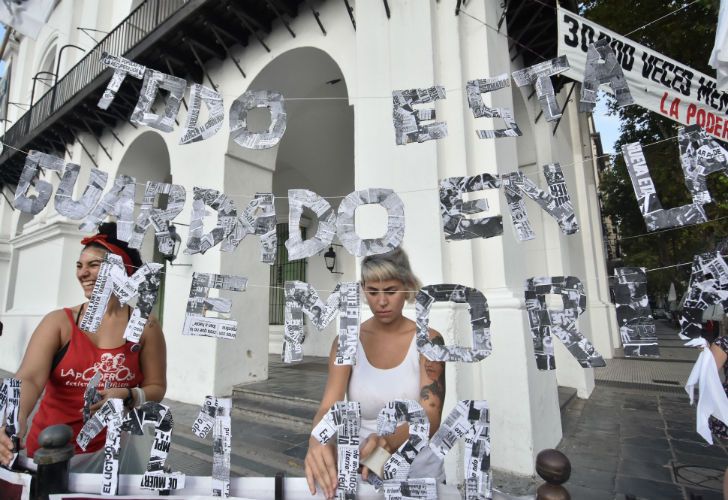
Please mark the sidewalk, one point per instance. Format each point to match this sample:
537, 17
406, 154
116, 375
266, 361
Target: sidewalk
634, 436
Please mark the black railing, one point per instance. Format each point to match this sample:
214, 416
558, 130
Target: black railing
126, 35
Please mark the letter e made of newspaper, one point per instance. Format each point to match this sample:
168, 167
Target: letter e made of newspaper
210, 316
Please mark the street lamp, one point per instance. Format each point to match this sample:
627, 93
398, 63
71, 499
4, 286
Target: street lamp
330, 260
176, 244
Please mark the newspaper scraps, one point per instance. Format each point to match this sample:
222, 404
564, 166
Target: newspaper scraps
302, 298
215, 415
344, 420
35, 163
408, 126
258, 218
411, 488
64, 202
700, 155
474, 90
397, 412
346, 230
644, 189
110, 416
602, 67
10, 414
252, 99
560, 322
144, 113
479, 322
159, 217
469, 420
203, 313
454, 209
151, 412
708, 286
556, 202
112, 278
121, 67
194, 132
91, 395
118, 203
326, 218
540, 75
636, 326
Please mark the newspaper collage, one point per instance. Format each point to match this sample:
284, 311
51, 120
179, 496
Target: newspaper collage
157, 414
344, 420
560, 322
644, 189
634, 316
35, 163
91, 395
110, 416
202, 317
144, 113
215, 415
474, 90
252, 99
470, 421
325, 232
602, 67
259, 218
453, 208
539, 75
10, 413
411, 488
408, 126
118, 203
479, 322
121, 67
556, 202
64, 202
395, 222
700, 156
192, 131
302, 298
112, 278
708, 286
396, 412
158, 217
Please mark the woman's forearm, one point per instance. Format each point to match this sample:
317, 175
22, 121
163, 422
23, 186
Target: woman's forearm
153, 392
29, 394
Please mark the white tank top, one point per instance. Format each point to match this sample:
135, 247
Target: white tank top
374, 387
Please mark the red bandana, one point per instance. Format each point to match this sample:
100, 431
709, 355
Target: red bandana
101, 239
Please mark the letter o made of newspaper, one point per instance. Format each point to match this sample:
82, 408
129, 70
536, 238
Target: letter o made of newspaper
395, 412
239, 119
395, 222
479, 321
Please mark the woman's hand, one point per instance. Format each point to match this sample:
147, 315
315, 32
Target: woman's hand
371, 443
6, 445
114, 392
320, 467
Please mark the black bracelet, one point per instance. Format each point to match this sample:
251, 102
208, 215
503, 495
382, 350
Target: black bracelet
129, 399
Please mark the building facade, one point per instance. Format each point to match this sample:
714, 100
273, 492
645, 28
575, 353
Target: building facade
337, 69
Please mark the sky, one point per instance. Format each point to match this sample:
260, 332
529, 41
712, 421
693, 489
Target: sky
607, 126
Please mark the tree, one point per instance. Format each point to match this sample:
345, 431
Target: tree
688, 37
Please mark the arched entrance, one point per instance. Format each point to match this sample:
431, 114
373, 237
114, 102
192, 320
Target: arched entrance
147, 159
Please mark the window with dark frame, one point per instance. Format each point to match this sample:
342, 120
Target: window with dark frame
283, 270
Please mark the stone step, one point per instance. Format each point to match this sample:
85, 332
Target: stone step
279, 408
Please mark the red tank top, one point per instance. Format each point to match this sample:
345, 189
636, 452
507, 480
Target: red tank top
63, 399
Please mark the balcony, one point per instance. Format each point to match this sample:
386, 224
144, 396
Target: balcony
173, 36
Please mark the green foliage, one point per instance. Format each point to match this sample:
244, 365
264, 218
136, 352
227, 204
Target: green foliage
687, 37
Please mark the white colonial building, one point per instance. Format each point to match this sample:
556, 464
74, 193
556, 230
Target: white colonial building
336, 62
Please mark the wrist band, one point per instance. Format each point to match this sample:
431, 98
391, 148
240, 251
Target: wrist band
140, 396
129, 399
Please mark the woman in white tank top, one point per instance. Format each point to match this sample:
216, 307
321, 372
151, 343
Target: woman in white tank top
388, 367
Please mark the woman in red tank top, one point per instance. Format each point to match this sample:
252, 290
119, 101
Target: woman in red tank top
61, 358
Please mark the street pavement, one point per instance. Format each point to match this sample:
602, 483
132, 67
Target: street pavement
633, 438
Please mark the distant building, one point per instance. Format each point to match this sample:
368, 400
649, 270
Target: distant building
337, 69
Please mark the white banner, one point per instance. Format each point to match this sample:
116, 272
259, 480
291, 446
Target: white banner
656, 82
